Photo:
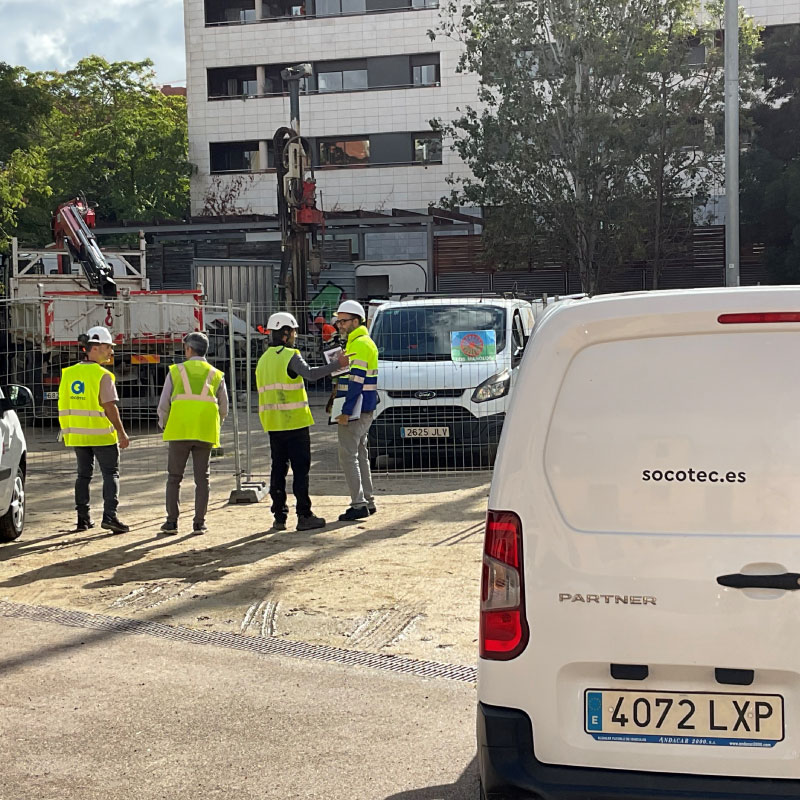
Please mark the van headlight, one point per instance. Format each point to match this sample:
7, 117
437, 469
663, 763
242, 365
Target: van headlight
493, 388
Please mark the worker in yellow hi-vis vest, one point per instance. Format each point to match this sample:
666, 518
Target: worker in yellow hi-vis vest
90, 423
284, 413
193, 405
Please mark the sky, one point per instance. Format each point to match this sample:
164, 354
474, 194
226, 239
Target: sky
56, 34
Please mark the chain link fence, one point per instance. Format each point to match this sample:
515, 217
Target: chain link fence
446, 370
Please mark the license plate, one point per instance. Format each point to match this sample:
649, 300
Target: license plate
51, 395
425, 433
704, 718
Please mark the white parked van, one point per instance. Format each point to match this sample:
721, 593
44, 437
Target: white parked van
438, 400
13, 461
640, 612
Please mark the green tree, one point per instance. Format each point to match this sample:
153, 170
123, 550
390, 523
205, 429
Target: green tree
115, 137
771, 167
579, 140
23, 164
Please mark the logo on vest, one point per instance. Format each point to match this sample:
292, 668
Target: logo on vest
78, 387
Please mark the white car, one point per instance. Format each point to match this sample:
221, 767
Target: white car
432, 404
639, 606
13, 461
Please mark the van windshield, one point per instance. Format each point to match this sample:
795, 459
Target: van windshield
422, 333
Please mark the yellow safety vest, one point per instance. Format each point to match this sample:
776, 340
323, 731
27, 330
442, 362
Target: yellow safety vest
282, 401
80, 415
194, 409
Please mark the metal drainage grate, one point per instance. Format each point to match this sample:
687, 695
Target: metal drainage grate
235, 641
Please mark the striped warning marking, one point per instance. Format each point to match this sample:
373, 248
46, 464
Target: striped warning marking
145, 358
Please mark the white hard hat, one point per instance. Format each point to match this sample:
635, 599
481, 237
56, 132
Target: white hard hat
352, 307
281, 320
99, 335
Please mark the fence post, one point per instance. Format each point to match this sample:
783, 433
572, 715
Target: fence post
250, 491
248, 383
232, 388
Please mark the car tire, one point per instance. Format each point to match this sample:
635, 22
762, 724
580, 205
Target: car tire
13, 521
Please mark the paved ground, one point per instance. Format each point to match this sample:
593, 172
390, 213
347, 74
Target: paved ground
93, 715
100, 713
404, 581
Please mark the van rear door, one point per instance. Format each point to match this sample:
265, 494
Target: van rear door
652, 455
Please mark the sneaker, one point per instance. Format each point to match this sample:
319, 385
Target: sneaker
199, 527
353, 514
309, 522
372, 509
84, 524
169, 527
279, 524
114, 524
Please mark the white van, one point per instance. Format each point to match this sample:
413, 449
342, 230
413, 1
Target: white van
640, 619
13, 461
432, 404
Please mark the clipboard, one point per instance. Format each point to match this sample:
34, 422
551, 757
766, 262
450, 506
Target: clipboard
331, 356
338, 405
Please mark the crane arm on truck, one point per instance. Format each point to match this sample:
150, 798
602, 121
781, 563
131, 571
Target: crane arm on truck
72, 225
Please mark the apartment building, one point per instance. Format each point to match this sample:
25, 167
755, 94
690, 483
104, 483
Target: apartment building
377, 81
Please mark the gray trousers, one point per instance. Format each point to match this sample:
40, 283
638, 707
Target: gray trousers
176, 465
108, 458
354, 460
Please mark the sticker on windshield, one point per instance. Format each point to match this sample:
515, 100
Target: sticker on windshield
473, 345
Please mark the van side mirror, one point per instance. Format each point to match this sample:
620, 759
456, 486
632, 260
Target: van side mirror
16, 397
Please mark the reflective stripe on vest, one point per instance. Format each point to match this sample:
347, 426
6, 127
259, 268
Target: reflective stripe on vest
282, 400
82, 419
194, 409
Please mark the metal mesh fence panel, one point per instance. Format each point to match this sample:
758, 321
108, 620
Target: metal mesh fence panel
446, 371
40, 340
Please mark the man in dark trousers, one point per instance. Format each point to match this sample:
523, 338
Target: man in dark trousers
91, 425
285, 414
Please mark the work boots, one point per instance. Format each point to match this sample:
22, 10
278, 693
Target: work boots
84, 524
309, 522
114, 524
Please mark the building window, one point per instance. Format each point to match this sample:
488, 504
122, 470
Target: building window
232, 82
278, 9
343, 151
237, 156
425, 75
424, 3
332, 8
220, 12
346, 80
427, 148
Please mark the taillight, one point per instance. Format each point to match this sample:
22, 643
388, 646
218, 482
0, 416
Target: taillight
504, 629
753, 317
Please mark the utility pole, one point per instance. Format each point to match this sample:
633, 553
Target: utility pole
732, 142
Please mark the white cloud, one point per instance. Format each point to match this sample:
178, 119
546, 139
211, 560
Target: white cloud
53, 34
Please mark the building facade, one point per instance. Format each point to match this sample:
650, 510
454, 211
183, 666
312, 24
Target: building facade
378, 81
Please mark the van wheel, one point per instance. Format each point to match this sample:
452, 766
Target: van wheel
382, 462
12, 522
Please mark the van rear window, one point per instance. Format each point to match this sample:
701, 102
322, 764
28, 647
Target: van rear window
422, 333
696, 434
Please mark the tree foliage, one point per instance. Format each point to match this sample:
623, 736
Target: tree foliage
101, 129
771, 168
586, 130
